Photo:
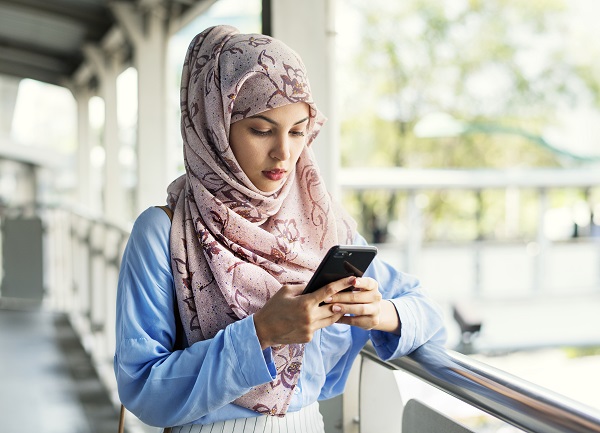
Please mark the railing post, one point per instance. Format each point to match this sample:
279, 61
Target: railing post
380, 401
112, 250
542, 242
98, 294
477, 247
414, 237
85, 275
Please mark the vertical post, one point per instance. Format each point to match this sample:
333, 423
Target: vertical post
84, 186
147, 32
9, 90
477, 266
415, 229
317, 49
107, 67
27, 187
542, 243
267, 28
153, 168
381, 405
114, 200
594, 231
512, 206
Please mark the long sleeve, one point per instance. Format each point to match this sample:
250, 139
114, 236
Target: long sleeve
420, 318
165, 387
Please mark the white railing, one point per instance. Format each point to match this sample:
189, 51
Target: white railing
82, 261
479, 267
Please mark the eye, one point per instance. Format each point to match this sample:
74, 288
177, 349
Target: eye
260, 133
297, 133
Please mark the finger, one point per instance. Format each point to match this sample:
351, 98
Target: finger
365, 284
356, 309
357, 297
364, 322
295, 289
325, 293
328, 321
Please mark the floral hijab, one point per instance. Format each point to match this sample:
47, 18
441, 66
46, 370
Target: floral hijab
232, 245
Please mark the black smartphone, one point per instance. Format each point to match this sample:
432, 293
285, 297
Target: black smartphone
339, 262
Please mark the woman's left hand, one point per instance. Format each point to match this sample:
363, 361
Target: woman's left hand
365, 308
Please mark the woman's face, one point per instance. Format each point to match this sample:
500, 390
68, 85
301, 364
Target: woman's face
268, 145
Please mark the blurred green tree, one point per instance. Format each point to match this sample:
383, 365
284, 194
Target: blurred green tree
456, 84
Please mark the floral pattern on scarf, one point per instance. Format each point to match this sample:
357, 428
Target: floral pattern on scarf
232, 245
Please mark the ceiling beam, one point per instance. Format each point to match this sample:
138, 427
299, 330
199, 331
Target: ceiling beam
36, 53
97, 17
25, 61
31, 72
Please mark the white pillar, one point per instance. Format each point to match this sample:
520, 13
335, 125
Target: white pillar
84, 169
9, 89
108, 68
146, 30
315, 43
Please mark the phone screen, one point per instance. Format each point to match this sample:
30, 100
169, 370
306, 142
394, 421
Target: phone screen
339, 262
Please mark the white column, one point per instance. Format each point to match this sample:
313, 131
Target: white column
27, 185
311, 34
9, 89
146, 30
107, 68
315, 42
84, 184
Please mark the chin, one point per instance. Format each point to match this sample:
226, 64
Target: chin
270, 188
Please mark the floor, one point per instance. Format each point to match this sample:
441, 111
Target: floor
48, 384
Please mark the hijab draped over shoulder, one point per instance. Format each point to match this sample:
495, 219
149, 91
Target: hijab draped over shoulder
232, 245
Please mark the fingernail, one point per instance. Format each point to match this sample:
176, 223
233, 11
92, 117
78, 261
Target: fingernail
336, 308
352, 280
328, 299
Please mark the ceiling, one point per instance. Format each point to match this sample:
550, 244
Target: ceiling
44, 39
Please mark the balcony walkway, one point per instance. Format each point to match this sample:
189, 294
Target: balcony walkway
47, 381
48, 384
530, 323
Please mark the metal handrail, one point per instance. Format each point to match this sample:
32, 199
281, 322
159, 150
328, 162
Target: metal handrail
518, 402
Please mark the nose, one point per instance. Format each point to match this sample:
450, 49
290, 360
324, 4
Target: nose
281, 148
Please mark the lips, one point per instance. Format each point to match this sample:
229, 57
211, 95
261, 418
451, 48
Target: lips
275, 174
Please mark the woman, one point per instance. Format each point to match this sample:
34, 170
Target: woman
252, 220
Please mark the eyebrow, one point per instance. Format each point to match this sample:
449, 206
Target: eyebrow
271, 121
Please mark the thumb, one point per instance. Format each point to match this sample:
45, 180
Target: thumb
295, 289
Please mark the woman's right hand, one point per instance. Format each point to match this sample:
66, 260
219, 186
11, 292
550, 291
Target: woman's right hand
290, 317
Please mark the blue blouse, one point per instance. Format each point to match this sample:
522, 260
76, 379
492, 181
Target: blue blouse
163, 387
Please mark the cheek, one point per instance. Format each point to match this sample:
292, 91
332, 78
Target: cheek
241, 147
234, 143
297, 151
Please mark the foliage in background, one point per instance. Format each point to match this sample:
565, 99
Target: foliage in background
449, 84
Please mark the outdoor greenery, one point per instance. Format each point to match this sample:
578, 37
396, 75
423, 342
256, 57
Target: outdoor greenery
459, 84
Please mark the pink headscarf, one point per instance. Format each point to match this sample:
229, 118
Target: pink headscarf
232, 245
